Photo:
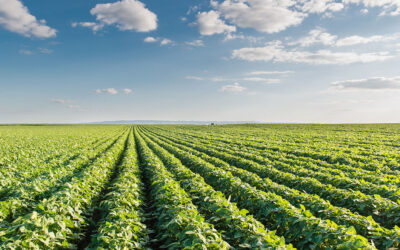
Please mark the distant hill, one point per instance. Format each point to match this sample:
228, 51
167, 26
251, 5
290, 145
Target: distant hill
170, 122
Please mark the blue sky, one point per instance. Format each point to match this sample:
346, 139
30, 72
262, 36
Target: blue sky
236, 60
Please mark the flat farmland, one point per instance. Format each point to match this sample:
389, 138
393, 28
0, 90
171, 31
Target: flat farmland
250, 186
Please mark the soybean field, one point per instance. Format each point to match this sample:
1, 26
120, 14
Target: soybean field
249, 186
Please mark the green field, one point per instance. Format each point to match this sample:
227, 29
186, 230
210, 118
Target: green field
255, 186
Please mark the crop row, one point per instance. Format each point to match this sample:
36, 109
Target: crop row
298, 226
239, 229
25, 196
365, 226
299, 145
122, 225
178, 224
281, 153
43, 170
307, 169
384, 211
60, 220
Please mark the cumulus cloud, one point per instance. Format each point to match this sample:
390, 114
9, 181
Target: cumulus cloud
320, 36
124, 14
276, 52
390, 7
150, 39
268, 16
320, 6
111, 91
196, 43
374, 83
127, 91
166, 41
162, 41
15, 17
314, 37
91, 25
210, 23
272, 16
234, 88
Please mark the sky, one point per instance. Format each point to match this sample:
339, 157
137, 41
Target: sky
313, 61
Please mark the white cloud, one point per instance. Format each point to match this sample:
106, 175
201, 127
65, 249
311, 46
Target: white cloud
15, 17
111, 91
163, 41
91, 25
210, 23
374, 83
219, 79
314, 37
320, 6
234, 88
62, 101
254, 73
166, 41
272, 16
196, 43
125, 14
212, 79
150, 39
273, 81
263, 15
320, 36
354, 40
255, 79
25, 52
197, 78
277, 53
127, 91
45, 51
261, 79
390, 7
39, 50
251, 39
231, 36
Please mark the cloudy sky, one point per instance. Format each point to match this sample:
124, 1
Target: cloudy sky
233, 60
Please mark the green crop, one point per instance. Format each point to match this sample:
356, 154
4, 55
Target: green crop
250, 186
